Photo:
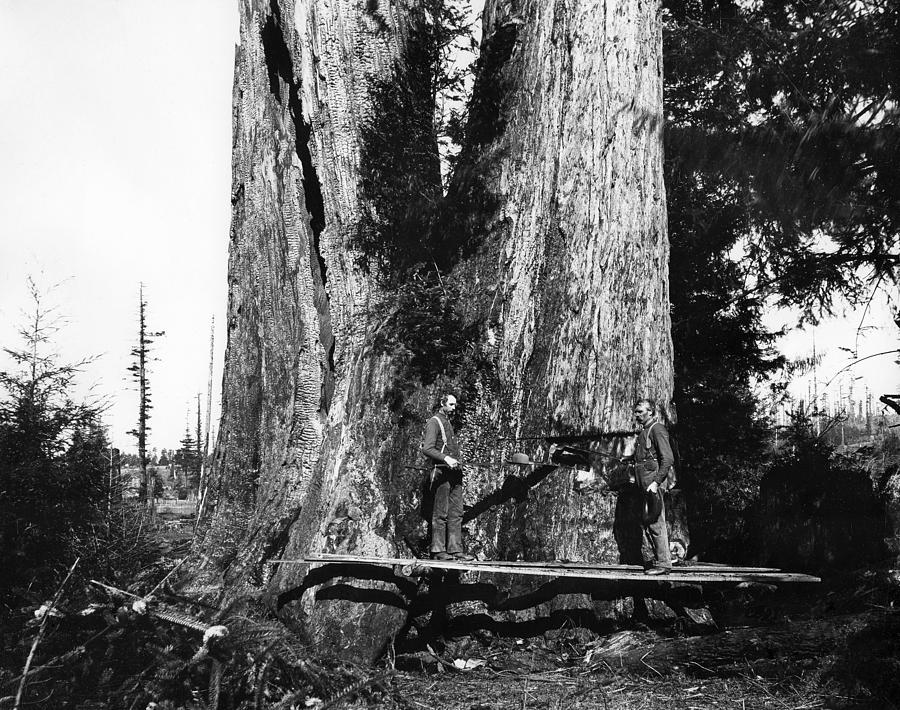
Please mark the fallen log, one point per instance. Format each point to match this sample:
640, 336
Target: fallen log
763, 650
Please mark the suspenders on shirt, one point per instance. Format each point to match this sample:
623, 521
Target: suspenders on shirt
443, 444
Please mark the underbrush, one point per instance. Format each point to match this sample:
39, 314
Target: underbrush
148, 647
122, 635
141, 645
501, 691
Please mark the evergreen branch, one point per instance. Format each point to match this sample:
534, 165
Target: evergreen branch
856, 362
40, 636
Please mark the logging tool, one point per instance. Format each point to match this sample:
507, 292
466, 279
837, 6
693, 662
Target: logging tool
565, 449
569, 438
462, 465
589, 452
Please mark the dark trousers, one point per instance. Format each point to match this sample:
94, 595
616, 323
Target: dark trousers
633, 537
658, 537
446, 515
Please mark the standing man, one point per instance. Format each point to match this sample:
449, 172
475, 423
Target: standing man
441, 447
653, 462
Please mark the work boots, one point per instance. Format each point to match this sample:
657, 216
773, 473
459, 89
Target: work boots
452, 556
656, 570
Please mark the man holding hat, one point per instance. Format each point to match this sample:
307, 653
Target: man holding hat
653, 462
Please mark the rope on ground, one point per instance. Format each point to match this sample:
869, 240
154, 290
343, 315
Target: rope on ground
211, 634
141, 606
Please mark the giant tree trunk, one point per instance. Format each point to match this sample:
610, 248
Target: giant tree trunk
297, 303
571, 275
563, 283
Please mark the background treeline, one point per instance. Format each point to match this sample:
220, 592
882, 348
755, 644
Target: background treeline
783, 188
66, 492
74, 509
61, 485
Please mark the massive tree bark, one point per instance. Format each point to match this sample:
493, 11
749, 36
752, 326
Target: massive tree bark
297, 302
571, 277
563, 282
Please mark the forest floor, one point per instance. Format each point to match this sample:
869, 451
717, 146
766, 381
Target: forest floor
525, 680
489, 690
831, 646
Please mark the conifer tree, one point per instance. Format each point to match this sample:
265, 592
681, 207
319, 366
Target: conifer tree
47, 439
187, 458
139, 370
198, 449
781, 132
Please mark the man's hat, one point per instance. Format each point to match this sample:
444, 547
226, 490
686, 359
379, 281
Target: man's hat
519, 457
653, 506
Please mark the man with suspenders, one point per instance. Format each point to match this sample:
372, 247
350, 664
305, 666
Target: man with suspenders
653, 462
441, 447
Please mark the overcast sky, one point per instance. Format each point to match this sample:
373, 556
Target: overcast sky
115, 136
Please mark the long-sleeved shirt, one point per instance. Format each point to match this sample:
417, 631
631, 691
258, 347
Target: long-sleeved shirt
653, 443
434, 442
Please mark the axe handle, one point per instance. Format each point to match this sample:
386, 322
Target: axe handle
461, 465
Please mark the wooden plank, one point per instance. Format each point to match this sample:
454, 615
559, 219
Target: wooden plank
694, 567
631, 575
701, 568
731, 568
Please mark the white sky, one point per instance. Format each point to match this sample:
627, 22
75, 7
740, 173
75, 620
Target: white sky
115, 136
878, 334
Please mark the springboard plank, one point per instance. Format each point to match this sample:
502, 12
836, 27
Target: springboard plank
632, 575
702, 568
